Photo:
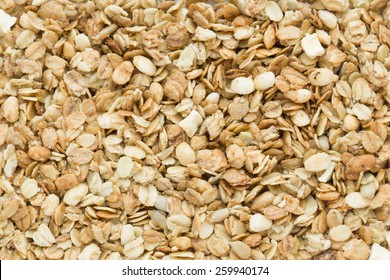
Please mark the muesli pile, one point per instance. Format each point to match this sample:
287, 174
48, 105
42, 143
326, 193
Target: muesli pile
152, 129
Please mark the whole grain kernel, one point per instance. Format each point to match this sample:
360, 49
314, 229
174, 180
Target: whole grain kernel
299, 96
39, 153
358, 164
321, 77
264, 81
243, 85
351, 122
82, 42
258, 223
66, 182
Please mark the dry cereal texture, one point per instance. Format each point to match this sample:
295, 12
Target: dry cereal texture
153, 129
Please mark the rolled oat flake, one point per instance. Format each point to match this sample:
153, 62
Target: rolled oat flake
194, 130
